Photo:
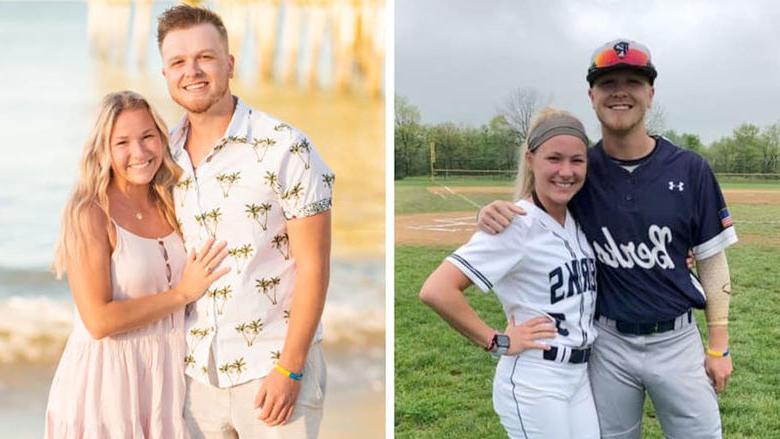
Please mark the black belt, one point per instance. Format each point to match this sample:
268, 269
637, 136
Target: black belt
633, 328
577, 355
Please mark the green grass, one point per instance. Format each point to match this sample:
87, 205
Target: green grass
734, 183
443, 383
756, 219
455, 181
417, 199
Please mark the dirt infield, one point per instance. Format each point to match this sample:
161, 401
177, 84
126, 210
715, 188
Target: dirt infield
446, 190
454, 228
435, 229
751, 196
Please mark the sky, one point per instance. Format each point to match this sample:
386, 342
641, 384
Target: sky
718, 61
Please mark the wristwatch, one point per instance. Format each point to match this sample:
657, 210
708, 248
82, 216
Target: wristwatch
499, 344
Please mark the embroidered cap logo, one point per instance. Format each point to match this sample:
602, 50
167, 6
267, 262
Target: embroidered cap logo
621, 49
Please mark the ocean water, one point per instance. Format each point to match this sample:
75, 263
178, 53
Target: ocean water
50, 85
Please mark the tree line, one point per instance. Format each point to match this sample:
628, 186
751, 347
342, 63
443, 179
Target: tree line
494, 146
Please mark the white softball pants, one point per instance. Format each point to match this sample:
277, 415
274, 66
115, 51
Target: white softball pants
536, 398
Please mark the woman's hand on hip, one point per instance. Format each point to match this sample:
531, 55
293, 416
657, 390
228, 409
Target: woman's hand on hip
528, 334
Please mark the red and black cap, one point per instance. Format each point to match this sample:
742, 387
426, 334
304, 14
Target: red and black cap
621, 54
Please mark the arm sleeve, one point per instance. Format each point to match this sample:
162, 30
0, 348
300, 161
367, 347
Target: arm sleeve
713, 229
305, 181
486, 258
716, 281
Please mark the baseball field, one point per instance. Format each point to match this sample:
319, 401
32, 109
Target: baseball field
443, 383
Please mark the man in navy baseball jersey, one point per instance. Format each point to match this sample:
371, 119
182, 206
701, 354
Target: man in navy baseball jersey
645, 204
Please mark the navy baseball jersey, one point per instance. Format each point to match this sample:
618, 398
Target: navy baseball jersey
537, 268
641, 225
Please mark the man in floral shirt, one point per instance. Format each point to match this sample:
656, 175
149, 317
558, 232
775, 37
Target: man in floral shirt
254, 364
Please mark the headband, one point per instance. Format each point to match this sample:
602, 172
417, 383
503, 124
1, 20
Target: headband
556, 126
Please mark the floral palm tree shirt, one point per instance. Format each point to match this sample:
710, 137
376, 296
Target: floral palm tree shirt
260, 174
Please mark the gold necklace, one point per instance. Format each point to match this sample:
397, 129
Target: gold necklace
125, 200
139, 212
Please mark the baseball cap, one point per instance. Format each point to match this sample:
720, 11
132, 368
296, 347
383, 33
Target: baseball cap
621, 54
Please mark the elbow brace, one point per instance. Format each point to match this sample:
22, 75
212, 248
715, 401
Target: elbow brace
716, 282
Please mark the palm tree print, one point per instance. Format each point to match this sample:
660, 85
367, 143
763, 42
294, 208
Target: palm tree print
287, 316
201, 220
303, 150
218, 147
259, 213
249, 330
184, 186
239, 365
212, 293
233, 253
264, 144
211, 220
235, 368
226, 181
197, 334
275, 355
224, 295
267, 287
239, 254
275, 281
189, 361
294, 192
281, 242
246, 251
230, 139
273, 180
236, 139
204, 370
283, 127
220, 296
328, 180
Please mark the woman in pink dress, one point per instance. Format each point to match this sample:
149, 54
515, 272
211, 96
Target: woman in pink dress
121, 374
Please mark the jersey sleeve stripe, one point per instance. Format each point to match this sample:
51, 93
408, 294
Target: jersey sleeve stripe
698, 286
479, 279
716, 244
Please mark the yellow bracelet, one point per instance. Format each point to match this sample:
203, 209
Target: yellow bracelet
287, 373
714, 353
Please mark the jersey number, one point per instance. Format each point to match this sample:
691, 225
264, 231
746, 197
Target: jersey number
559, 319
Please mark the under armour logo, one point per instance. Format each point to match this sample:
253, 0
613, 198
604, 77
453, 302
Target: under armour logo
678, 186
621, 49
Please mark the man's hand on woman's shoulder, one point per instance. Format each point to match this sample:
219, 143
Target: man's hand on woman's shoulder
496, 216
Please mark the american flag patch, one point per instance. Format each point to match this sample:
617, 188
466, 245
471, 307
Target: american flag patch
725, 218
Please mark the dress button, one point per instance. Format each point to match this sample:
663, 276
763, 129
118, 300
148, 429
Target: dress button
208, 159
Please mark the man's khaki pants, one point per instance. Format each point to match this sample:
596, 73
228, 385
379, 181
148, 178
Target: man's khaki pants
211, 412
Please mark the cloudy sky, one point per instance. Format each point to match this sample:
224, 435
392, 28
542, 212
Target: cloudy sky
718, 60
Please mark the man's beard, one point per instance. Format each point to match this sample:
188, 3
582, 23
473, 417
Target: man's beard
201, 106
621, 127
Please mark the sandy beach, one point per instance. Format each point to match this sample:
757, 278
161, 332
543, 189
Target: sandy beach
350, 413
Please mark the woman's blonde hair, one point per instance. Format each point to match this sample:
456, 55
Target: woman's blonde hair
95, 174
524, 184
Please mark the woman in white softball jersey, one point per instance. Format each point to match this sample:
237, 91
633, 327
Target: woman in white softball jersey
543, 272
